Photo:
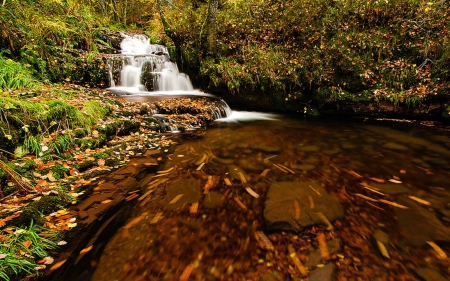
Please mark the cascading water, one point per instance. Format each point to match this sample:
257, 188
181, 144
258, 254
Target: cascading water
140, 57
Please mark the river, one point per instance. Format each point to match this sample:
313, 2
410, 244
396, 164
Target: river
291, 199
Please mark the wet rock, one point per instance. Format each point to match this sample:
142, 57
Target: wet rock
391, 188
213, 200
381, 240
281, 212
395, 146
83, 215
381, 236
326, 273
429, 274
266, 277
191, 190
226, 161
306, 167
420, 225
348, 145
315, 257
308, 148
265, 148
332, 151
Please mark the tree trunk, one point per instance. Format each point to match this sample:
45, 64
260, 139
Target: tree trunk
113, 2
208, 35
170, 32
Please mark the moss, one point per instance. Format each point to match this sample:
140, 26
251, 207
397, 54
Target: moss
7, 190
9, 137
59, 171
79, 133
83, 166
36, 210
107, 129
125, 127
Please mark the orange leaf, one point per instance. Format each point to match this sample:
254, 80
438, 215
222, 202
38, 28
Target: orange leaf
101, 162
57, 265
85, 250
27, 243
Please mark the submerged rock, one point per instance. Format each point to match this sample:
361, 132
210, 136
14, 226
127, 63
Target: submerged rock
326, 273
315, 257
213, 200
190, 190
391, 188
395, 146
419, 224
292, 206
429, 274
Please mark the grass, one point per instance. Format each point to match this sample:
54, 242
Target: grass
14, 75
20, 248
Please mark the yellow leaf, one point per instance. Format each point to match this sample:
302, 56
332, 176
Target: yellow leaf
106, 201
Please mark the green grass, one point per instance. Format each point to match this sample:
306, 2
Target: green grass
15, 257
14, 75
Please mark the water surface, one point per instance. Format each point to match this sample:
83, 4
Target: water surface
392, 180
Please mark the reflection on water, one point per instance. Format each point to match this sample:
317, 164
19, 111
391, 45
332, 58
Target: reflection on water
289, 199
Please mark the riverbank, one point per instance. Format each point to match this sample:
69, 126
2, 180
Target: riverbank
65, 178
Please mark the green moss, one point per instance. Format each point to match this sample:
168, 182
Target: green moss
79, 133
107, 129
83, 166
36, 210
9, 137
125, 127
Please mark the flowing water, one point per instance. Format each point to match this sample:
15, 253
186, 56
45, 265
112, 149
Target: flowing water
292, 198
217, 232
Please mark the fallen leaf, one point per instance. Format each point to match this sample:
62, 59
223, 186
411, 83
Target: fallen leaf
239, 202
263, 241
297, 210
419, 200
324, 253
378, 180
85, 250
57, 265
440, 253
194, 208
252, 192
106, 201
227, 181
395, 181
27, 243
174, 200
186, 272
264, 173
296, 260
95, 134
101, 162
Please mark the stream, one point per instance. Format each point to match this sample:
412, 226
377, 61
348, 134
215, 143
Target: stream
291, 199
260, 196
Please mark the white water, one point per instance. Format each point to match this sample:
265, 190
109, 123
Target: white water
167, 80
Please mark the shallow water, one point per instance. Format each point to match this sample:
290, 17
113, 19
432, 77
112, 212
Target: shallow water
365, 166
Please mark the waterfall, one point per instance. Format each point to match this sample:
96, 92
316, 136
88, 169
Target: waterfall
140, 59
